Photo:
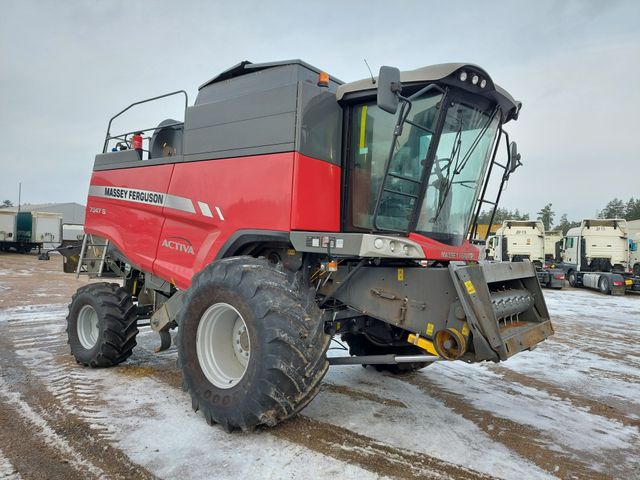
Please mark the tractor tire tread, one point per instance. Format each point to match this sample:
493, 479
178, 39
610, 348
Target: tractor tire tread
294, 343
119, 329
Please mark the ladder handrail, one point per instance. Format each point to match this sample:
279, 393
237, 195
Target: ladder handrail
81, 258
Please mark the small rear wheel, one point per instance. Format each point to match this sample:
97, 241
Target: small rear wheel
101, 325
573, 278
603, 285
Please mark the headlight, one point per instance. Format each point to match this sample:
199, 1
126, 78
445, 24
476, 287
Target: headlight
378, 243
463, 76
483, 83
475, 79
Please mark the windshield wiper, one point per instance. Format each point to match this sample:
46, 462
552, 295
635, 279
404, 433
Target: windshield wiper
460, 166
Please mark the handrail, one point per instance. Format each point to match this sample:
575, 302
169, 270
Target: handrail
108, 137
123, 136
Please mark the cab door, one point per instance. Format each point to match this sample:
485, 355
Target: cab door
570, 250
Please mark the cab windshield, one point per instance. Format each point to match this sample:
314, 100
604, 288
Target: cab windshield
457, 173
461, 155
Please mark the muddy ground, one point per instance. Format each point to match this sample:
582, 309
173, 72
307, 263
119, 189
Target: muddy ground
569, 409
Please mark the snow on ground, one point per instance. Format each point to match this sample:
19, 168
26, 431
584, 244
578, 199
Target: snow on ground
424, 424
593, 356
595, 349
150, 421
7, 472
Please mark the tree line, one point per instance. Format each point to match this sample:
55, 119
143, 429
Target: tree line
616, 208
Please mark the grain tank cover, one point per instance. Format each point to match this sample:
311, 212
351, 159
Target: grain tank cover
259, 77
264, 108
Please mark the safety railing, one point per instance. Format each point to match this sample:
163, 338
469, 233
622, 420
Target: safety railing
123, 137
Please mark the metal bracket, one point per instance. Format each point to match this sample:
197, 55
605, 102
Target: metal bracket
164, 317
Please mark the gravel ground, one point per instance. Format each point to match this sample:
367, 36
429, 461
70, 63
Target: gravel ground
569, 409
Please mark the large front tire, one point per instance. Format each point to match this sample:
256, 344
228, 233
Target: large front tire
101, 325
251, 346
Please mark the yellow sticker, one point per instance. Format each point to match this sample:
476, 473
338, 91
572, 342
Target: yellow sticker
429, 328
400, 274
470, 288
465, 329
291, 252
628, 282
363, 129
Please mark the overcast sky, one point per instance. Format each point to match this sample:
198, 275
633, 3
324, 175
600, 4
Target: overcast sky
67, 66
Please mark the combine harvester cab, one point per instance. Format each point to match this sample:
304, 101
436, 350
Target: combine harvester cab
524, 241
289, 208
596, 255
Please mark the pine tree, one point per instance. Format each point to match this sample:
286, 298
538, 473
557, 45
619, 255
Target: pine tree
546, 215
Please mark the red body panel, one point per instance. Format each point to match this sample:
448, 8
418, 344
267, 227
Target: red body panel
133, 228
249, 193
434, 250
316, 195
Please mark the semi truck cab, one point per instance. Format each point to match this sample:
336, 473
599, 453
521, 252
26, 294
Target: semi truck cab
596, 255
524, 240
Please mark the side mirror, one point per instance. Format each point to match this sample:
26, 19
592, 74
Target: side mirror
389, 87
514, 157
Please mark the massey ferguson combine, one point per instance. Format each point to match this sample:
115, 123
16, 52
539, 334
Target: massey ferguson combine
288, 208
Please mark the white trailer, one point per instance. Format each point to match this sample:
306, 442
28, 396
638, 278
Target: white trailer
520, 240
596, 255
46, 229
7, 227
72, 232
551, 245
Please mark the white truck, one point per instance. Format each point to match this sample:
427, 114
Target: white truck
520, 240
596, 255
552, 245
634, 254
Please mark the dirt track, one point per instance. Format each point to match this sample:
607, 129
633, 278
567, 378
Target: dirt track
569, 409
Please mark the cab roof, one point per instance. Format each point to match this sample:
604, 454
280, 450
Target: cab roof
448, 73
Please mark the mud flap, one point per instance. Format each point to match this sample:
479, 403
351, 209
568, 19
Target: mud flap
504, 306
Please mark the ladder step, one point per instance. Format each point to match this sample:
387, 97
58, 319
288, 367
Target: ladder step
402, 177
404, 194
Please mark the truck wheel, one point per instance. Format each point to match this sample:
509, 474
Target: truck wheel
101, 325
603, 285
359, 345
573, 278
251, 346
636, 269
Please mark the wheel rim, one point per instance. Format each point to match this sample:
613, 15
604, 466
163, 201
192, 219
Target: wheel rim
88, 329
222, 345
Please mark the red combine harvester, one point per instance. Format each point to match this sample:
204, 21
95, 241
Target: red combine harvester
288, 208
